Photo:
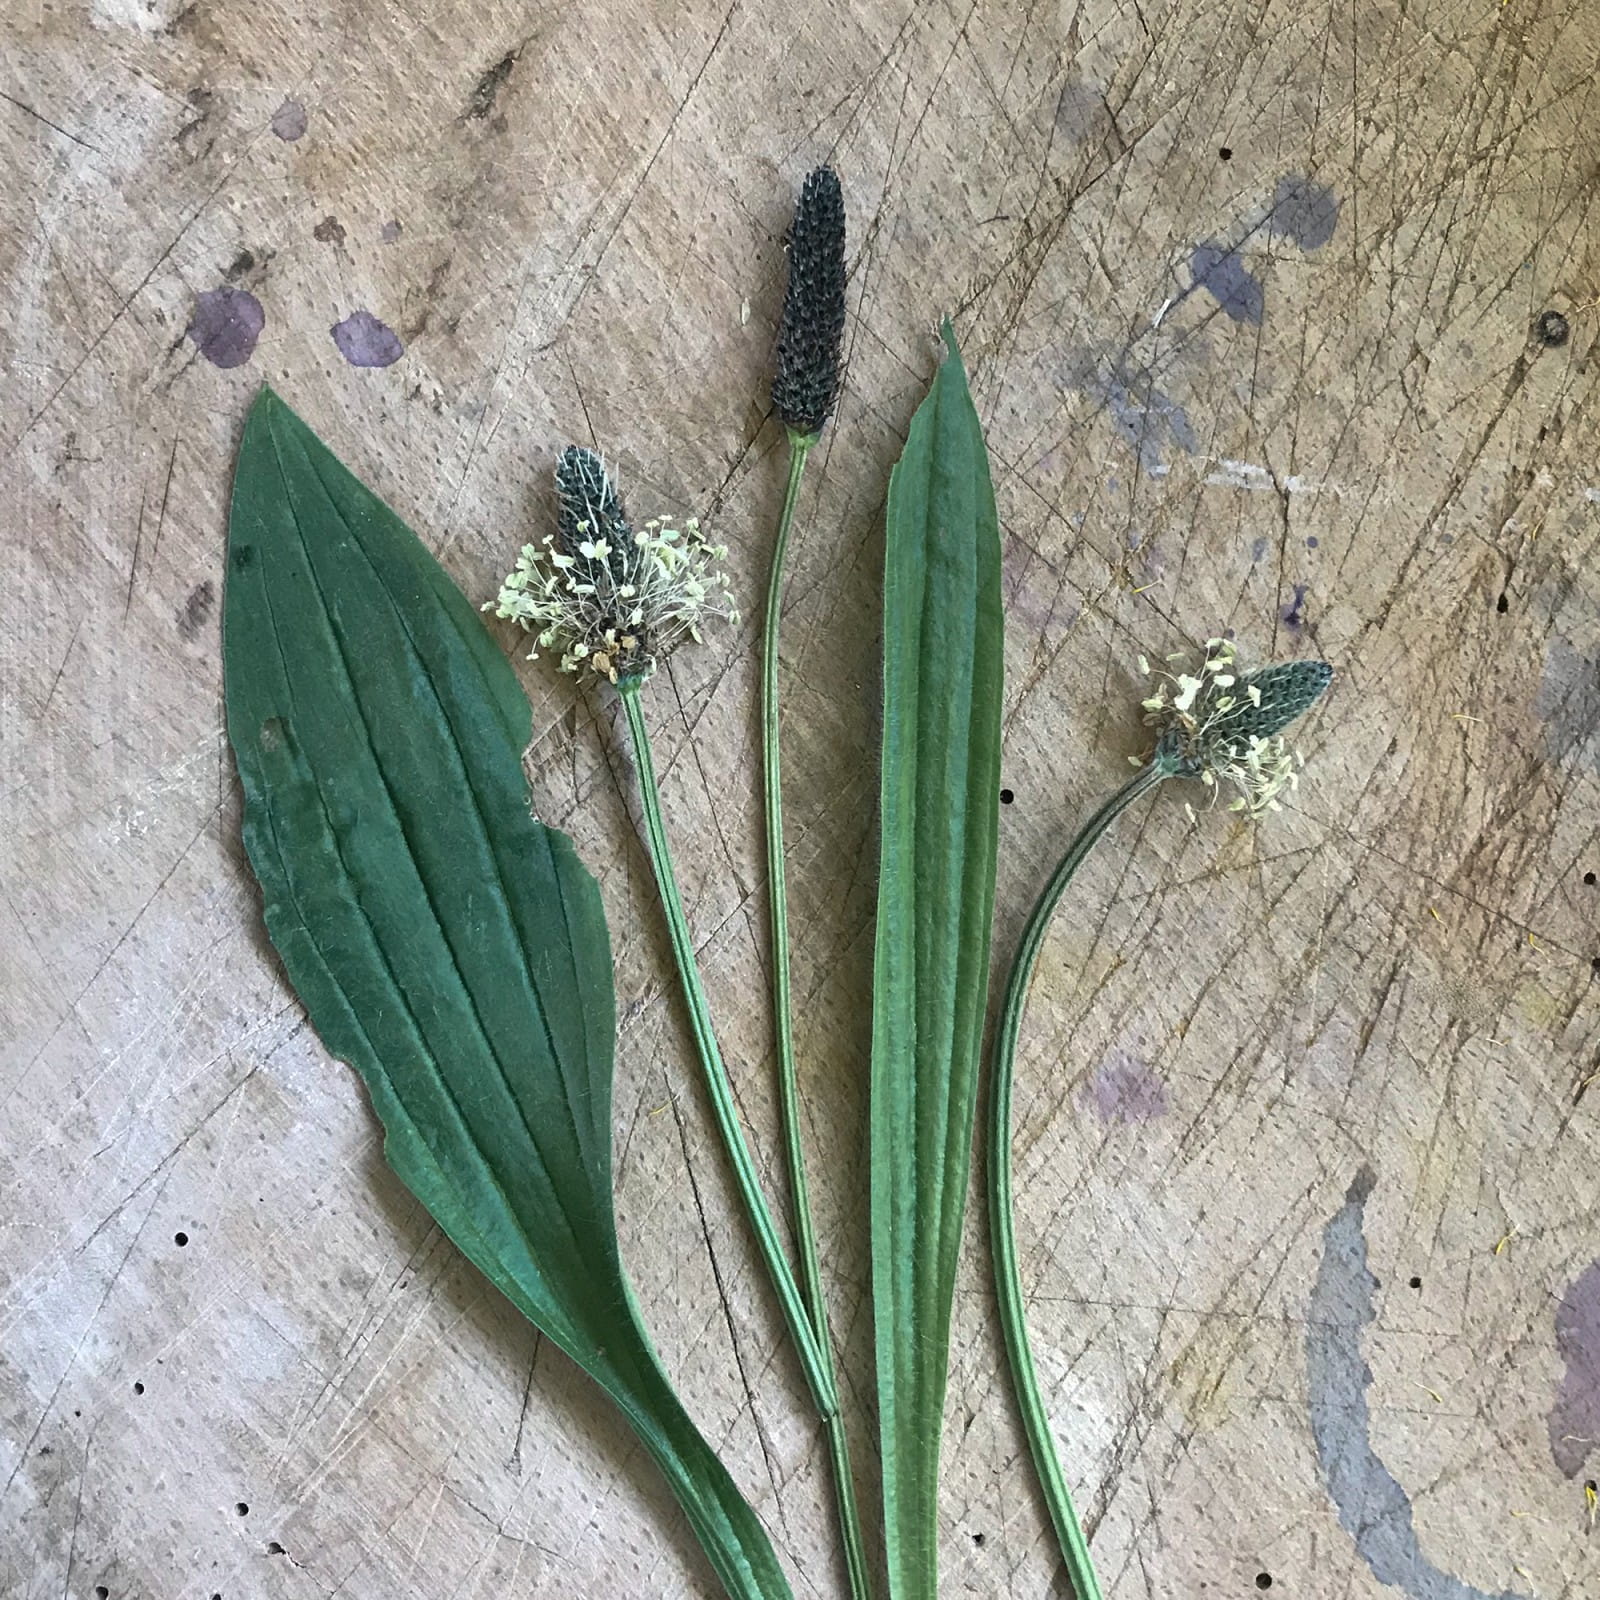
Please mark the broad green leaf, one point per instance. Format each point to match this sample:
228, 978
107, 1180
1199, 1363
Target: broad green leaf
448, 946
942, 676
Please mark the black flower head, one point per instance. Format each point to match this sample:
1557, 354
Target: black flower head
613, 599
1266, 701
810, 337
591, 508
1218, 724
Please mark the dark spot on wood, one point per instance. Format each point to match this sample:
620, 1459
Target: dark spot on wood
1552, 329
289, 121
1263, 1580
275, 1549
242, 557
1304, 210
1588, 878
1416, 1283
329, 231
240, 265
138, 1388
1006, 797
978, 1539
197, 608
225, 325
1221, 272
180, 1239
488, 87
1225, 154
201, 101
366, 341
1502, 605
242, 1509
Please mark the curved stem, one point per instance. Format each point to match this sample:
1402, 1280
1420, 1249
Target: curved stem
1008, 1281
818, 1370
783, 1021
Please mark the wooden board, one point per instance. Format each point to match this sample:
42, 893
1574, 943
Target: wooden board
1307, 1142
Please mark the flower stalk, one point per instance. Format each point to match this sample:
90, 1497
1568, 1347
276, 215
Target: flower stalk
613, 600
1217, 726
817, 1364
804, 392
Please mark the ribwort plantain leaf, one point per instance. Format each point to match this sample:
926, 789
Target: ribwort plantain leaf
448, 946
943, 662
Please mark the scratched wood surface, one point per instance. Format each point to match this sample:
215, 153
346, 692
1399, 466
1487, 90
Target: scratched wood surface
1307, 1146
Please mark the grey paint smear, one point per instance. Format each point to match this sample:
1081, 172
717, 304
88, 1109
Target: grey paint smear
225, 326
1568, 703
1373, 1509
1304, 211
289, 121
1149, 421
1146, 418
1222, 274
364, 341
1575, 1417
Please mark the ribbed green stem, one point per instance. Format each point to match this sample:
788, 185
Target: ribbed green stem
818, 1368
788, 1083
1008, 1281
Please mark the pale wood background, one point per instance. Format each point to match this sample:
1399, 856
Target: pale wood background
571, 218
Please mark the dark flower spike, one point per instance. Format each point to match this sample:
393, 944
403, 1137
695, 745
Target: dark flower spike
810, 338
590, 503
612, 599
1218, 724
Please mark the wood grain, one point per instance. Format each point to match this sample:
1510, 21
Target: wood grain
1249, 295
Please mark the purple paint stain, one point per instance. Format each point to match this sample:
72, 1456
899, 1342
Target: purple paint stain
1225, 277
1304, 211
1125, 1090
289, 121
225, 325
364, 341
1575, 1417
1294, 614
1258, 550
1312, 542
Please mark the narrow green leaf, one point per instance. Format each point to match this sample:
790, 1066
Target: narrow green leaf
942, 678
447, 945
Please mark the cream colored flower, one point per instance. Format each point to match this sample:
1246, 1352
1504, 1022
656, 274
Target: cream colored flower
1226, 729
613, 600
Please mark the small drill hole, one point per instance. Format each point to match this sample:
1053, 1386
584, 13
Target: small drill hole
242, 1509
1502, 605
1263, 1580
274, 1548
101, 1592
138, 1388
180, 1239
1006, 797
1225, 154
1588, 878
1594, 966
978, 1539
1416, 1283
